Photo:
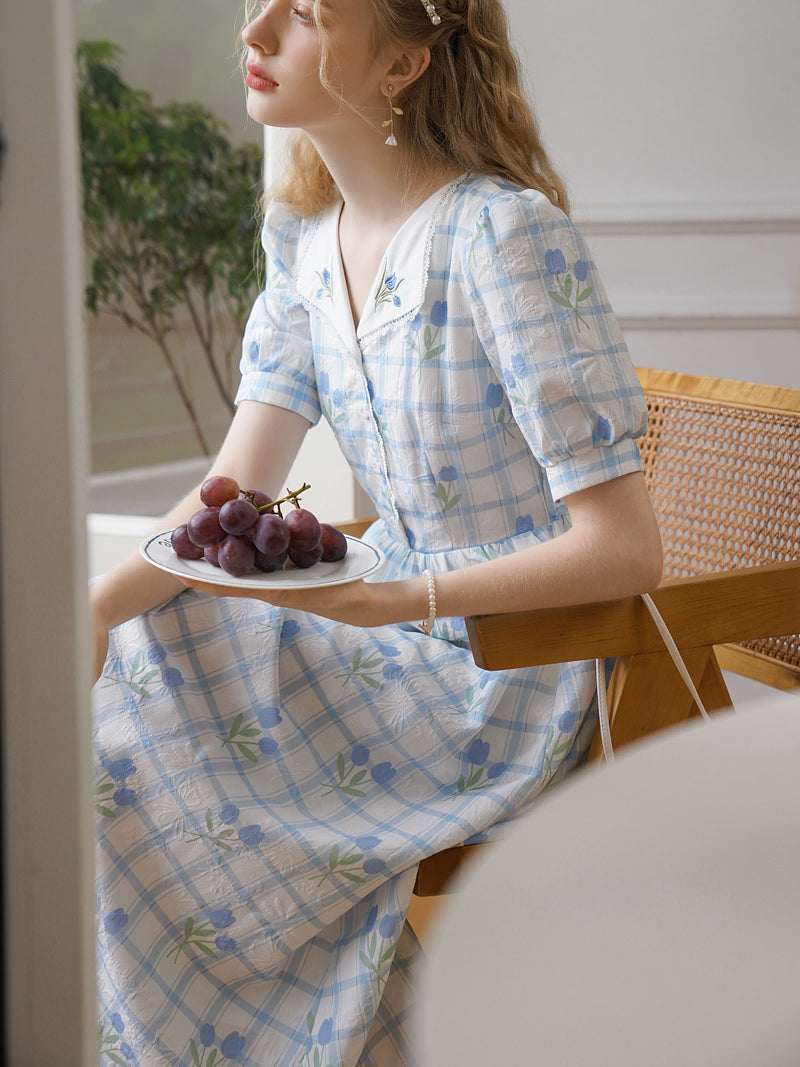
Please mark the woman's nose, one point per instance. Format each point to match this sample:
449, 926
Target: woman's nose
258, 32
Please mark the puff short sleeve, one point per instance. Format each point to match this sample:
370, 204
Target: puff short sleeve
277, 364
544, 320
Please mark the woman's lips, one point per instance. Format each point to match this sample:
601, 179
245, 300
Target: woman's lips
258, 79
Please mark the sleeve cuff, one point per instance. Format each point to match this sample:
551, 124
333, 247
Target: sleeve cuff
600, 464
282, 391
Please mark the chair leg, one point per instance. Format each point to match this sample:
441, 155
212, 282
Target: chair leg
647, 693
712, 689
422, 913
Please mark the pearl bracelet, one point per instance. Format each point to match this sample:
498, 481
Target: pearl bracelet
427, 625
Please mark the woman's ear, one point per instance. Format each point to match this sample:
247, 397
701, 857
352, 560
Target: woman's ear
407, 67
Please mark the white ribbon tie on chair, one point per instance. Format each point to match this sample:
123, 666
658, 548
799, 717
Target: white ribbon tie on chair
677, 659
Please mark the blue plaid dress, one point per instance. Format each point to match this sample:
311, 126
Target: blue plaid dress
267, 781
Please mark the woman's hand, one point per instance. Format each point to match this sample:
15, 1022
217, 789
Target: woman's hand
356, 603
612, 550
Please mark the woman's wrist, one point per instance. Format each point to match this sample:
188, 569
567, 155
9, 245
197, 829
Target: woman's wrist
130, 589
97, 603
426, 625
386, 603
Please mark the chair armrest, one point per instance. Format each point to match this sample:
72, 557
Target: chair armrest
707, 610
355, 527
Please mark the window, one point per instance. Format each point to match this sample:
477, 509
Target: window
171, 264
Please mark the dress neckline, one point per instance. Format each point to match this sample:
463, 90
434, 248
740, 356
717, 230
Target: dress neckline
421, 214
399, 284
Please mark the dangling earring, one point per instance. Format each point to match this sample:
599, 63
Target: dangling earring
391, 140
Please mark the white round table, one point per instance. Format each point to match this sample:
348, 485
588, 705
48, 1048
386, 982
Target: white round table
642, 914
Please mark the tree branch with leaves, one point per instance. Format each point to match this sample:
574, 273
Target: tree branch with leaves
169, 212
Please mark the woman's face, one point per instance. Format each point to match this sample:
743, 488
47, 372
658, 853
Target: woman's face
284, 87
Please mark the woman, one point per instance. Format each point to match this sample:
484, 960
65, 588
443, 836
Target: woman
272, 767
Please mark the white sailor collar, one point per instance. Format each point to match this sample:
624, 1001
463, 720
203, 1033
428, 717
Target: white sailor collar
399, 285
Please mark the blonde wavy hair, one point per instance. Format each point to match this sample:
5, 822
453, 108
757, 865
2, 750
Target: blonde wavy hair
466, 112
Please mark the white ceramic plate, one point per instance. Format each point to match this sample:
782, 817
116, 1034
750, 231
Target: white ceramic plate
361, 559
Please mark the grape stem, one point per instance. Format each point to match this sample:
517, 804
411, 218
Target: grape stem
292, 495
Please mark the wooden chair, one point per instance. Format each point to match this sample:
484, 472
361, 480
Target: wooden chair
722, 462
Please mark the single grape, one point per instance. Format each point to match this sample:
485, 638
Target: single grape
236, 555
210, 554
217, 490
305, 557
256, 497
334, 543
271, 534
237, 516
304, 529
204, 527
268, 563
182, 544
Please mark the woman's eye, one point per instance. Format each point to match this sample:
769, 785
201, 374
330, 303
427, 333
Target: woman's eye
303, 14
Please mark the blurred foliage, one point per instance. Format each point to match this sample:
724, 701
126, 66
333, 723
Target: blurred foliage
169, 214
178, 51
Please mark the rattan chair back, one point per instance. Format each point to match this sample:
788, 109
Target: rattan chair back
722, 462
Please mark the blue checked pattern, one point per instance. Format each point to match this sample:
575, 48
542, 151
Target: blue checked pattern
267, 781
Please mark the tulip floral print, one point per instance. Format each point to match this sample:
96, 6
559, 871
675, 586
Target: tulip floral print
266, 780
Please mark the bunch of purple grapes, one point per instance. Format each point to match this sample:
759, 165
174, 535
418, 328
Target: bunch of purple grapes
244, 531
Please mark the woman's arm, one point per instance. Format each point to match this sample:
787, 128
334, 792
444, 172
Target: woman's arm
258, 451
612, 550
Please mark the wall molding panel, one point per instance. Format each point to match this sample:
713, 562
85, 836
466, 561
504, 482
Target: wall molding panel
707, 322
670, 277
686, 216
704, 288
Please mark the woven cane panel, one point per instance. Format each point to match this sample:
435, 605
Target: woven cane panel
725, 484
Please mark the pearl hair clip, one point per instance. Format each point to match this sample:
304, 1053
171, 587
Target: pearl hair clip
432, 15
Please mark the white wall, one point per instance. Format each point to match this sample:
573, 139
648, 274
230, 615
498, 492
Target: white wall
677, 103
675, 126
